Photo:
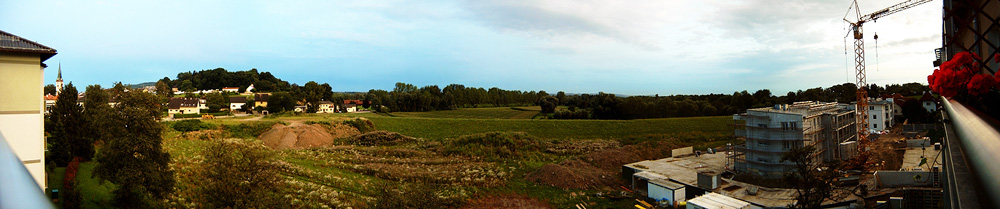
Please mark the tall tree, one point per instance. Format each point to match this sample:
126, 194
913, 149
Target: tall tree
49, 89
812, 184
134, 158
163, 89
239, 174
68, 114
96, 110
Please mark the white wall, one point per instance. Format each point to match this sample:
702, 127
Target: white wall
24, 134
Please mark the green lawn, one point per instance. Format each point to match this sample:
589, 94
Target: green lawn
476, 113
95, 194
440, 128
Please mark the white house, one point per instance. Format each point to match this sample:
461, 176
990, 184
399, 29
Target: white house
928, 102
237, 102
181, 105
880, 114
326, 107
231, 89
351, 105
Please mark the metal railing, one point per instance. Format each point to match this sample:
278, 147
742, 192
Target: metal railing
972, 149
17, 188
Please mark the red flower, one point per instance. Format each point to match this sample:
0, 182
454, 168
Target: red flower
996, 57
980, 84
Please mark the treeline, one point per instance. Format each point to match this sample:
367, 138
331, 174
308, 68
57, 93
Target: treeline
218, 78
408, 98
609, 106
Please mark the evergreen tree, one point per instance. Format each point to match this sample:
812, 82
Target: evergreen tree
69, 134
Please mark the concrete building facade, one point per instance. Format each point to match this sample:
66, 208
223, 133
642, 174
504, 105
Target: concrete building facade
881, 114
771, 132
22, 70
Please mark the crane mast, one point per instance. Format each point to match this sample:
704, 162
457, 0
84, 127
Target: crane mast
859, 67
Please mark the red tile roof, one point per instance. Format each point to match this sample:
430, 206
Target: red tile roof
352, 101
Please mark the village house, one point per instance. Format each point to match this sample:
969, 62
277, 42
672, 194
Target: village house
236, 103
181, 105
880, 114
928, 102
300, 108
326, 107
22, 67
352, 105
231, 89
260, 99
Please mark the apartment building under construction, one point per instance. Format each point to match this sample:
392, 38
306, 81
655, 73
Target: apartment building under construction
771, 132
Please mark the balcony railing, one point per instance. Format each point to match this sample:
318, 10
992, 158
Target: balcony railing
17, 188
972, 149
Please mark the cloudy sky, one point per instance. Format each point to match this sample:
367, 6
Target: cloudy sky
627, 47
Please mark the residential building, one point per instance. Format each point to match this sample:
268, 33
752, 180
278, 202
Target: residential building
260, 99
352, 105
773, 131
181, 105
880, 114
236, 103
326, 107
22, 69
928, 102
50, 101
300, 108
230, 89
248, 91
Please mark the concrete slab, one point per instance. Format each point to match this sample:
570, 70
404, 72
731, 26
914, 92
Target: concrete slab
912, 158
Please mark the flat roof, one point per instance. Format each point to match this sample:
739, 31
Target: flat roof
716, 200
666, 184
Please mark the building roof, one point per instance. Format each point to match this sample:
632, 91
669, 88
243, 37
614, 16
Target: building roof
928, 97
325, 102
261, 97
227, 88
50, 97
239, 100
179, 102
355, 101
12, 43
716, 200
667, 184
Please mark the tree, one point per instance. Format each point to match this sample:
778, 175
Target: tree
279, 102
813, 183
914, 112
216, 101
163, 89
49, 89
548, 104
96, 110
72, 128
239, 174
134, 158
187, 86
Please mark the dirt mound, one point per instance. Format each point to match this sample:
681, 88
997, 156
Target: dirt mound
598, 169
296, 136
379, 138
574, 174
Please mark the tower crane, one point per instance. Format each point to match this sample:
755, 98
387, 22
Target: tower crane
859, 59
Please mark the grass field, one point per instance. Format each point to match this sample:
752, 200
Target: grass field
440, 128
477, 113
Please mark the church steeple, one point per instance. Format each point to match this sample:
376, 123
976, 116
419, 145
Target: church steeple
59, 81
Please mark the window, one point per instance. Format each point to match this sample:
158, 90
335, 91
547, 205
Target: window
788, 144
871, 107
761, 159
874, 125
874, 117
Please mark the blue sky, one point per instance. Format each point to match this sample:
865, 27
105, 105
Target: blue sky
624, 47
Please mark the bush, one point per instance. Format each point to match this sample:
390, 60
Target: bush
249, 129
239, 174
380, 138
363, 125
70, 196
570, 114
191, 125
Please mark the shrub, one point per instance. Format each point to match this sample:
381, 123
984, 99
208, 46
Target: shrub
187, 115
249, 129
70, 196
363, 125
380, 138
191, 125
239, 174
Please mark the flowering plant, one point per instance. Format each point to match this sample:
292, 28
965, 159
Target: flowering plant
960, 77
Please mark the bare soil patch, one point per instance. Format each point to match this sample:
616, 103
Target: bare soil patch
599, 169
296, 136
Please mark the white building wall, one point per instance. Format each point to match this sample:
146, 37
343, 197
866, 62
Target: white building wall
24, 134
880, 116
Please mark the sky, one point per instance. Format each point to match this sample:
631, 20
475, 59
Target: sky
627, 47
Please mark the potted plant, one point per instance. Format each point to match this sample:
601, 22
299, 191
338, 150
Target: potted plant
964, 80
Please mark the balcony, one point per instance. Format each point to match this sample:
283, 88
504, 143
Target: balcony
971, 150
19, 189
